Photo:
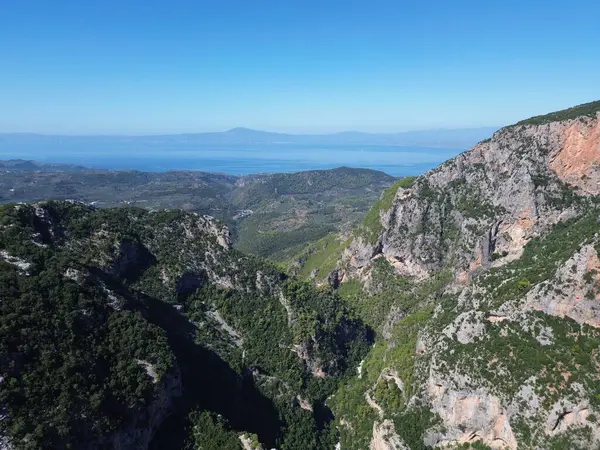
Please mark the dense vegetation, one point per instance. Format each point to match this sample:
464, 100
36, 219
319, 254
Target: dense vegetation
70, 365
105, 311
586, 109
293, 210
262, 187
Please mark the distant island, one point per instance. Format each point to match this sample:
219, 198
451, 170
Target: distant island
442, 138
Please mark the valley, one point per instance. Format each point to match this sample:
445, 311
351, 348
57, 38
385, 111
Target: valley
341, 309
271, 215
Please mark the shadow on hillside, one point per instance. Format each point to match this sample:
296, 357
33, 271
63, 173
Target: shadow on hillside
208, 384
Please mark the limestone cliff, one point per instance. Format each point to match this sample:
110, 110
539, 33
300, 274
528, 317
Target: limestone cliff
494, 330
480, 208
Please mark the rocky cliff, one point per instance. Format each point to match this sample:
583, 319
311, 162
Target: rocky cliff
483, 206
497, 342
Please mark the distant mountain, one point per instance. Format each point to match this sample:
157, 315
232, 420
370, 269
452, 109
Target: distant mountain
269, 215
458, 138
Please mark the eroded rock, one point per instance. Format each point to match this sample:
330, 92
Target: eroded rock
469, 416
572, 291
385, 437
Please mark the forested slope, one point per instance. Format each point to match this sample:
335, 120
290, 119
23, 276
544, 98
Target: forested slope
114, 320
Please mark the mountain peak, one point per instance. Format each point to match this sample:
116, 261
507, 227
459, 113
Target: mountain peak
242, 130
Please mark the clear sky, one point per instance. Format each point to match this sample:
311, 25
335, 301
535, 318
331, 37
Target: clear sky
148, 66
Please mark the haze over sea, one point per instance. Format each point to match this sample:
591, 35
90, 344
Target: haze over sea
234, 159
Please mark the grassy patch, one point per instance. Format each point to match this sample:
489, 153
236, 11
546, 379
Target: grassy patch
322, 256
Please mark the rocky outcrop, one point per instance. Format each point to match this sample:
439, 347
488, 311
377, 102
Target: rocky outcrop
566, 416
22, 265
304, 404
385, 437
249, 442
469, 416
577, 159
359, 254
233, 334
208, 225
73, 275
561, 418
305, 352
573, 291
373, 404
393, 317
5, 443
150, 370
508, 358
467, 327
392, 375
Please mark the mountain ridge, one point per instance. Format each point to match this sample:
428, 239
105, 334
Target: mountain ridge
443, 138
480, 278
268, 214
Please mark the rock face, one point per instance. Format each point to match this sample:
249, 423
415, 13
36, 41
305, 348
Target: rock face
385, 437
577, 297
576, 161
565, 416
359, 253
467, 327
483, 206
507, 353
208, 225
469, 416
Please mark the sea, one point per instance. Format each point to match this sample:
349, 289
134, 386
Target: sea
233, 159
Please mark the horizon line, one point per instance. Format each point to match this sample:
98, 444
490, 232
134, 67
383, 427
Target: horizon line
229, 130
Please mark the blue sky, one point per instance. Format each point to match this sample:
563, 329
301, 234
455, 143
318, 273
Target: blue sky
174, 66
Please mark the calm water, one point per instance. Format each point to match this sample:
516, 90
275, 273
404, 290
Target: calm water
239, 159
